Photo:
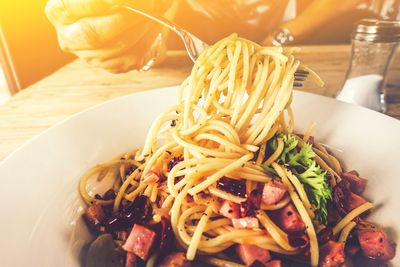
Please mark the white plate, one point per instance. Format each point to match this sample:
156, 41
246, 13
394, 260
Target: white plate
40, 207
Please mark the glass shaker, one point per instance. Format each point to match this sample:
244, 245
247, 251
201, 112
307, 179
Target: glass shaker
373, 45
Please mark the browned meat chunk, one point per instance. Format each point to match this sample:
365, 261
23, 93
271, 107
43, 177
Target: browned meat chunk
344, 199
375, 244
353, 201
289, 219
357, 183
332, 254
94, 216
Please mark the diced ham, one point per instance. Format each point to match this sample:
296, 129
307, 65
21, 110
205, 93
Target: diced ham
250, 253
289, 219
357, 183
375, 244
94, 216
245, 223
332, 254
140, 241
353, 201
230, 210
274, 263
131, 260
177, 259
273, 192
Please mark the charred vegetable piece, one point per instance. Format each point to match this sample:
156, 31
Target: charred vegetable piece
139, 211
234, 187
102, 253
109, 194
252, 204
173, 162
164, 236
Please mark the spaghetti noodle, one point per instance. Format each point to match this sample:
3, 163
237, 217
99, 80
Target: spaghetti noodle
235, 102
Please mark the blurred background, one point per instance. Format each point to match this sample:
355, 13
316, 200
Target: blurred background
29, 48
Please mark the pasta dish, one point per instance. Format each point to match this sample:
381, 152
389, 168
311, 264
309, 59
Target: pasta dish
223, 179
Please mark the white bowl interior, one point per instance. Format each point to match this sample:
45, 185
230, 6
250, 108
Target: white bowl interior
41, 208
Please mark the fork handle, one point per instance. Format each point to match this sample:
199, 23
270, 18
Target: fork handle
169, 24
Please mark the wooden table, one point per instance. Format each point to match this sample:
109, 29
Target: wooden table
77, 86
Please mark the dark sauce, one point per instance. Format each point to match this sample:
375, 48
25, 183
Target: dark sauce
138, 211
234, 187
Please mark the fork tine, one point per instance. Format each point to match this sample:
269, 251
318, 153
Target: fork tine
297, 84
300, 78
302, 72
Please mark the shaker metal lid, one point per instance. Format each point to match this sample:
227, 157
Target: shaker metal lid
374, 30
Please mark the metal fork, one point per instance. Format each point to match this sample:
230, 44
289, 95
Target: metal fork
194, 45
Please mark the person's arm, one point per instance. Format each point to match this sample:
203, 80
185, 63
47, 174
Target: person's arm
104, 34
314, 16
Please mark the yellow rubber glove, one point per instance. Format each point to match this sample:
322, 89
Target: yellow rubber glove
108, 36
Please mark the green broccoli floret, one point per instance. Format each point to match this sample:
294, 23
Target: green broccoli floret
302, 164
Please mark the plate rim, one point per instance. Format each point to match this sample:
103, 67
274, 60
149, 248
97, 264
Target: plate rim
95, 106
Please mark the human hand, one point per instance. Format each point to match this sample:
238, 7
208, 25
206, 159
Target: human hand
107, 36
